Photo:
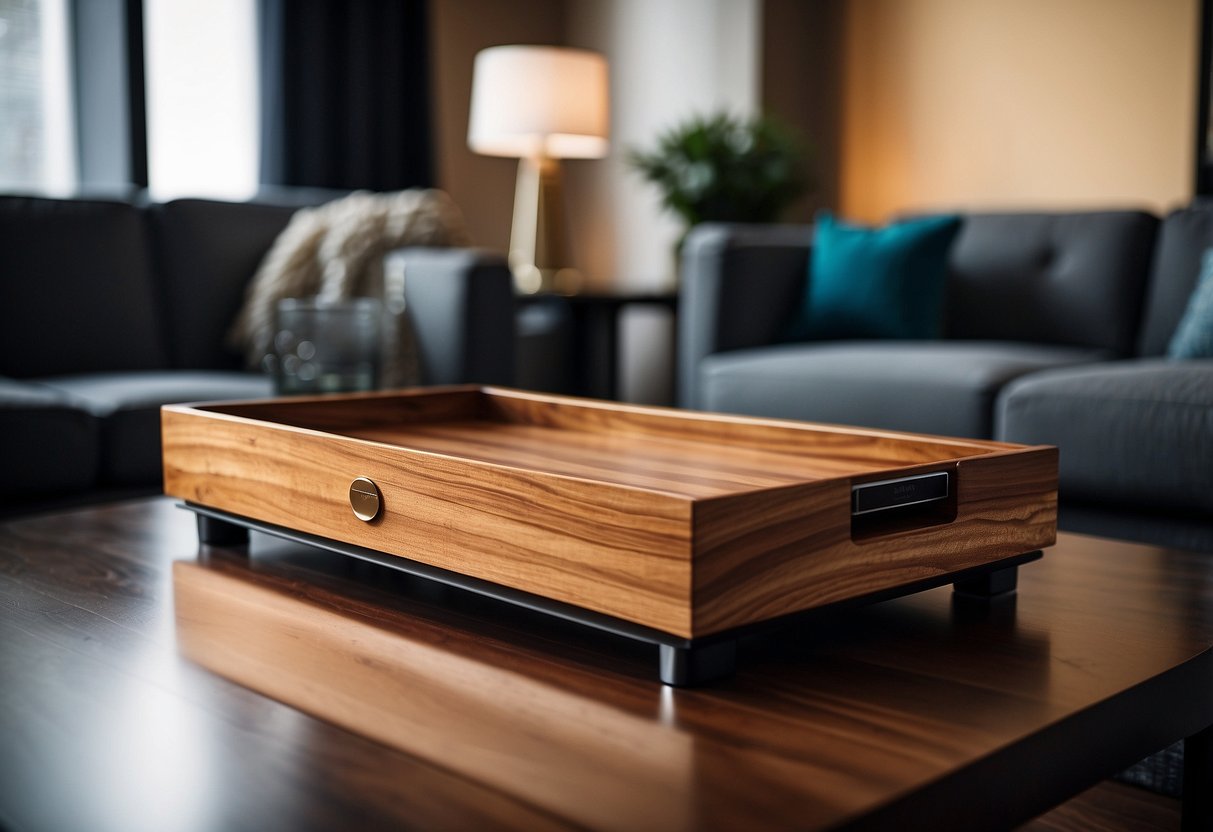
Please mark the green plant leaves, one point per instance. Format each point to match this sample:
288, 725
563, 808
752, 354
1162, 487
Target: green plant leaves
727, 169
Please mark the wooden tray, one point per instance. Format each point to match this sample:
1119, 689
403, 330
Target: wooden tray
684, 526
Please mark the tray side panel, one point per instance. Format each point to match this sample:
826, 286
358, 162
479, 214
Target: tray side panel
338, 414
618, 551
758, 556
821, 441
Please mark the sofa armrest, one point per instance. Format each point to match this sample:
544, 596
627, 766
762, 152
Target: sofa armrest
462, 308
740, 286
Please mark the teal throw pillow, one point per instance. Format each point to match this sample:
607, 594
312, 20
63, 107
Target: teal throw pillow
1193, 337
876, 282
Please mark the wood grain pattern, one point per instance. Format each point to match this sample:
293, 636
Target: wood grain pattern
750, 549
688, 523
104, 726
779, 436
668, 465
620, 551
353, 697
592, 763
331, 414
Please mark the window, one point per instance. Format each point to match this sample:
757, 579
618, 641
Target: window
37, 150
202, 117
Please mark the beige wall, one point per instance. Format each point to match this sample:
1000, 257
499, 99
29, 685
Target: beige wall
482, 186
968, 103
802, 86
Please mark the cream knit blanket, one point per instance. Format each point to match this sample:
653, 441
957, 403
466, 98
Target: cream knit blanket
336, 251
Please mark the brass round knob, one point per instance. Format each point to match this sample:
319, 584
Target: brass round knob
365, 499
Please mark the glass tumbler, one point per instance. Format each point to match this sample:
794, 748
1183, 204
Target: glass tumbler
327, 346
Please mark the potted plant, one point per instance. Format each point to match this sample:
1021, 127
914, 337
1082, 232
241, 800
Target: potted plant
725, 168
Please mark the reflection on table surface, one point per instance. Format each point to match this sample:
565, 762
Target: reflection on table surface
571, 721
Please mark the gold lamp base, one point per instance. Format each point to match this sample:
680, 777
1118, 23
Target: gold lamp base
538, 239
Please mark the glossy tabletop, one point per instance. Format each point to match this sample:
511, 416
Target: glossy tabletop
146, 683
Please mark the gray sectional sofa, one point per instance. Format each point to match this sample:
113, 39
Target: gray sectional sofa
111, 308
1056, 330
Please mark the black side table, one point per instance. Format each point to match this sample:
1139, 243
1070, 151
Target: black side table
594, 335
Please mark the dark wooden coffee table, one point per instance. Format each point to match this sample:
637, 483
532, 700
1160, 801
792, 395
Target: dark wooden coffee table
422, 707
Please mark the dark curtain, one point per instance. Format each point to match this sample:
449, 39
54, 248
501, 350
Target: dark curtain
345, 97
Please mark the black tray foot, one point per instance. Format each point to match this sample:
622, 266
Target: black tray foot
685, 666
987, 585
1198, 774
215, 532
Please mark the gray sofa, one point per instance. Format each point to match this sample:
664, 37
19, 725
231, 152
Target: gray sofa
109, 309
1056, 330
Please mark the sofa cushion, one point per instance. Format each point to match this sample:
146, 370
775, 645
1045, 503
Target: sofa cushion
1136, 432
1193, 337
128, 407
876, 282
47, 444
1055, 278
76, 289
208, 252
1183, 238
943, 387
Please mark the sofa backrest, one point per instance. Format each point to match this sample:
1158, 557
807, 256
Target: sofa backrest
77, 293
1183, 238
207, 251
1059, 278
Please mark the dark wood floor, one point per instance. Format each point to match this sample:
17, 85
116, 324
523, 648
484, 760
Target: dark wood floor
1111, 807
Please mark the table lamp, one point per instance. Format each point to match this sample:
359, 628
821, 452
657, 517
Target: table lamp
539, 104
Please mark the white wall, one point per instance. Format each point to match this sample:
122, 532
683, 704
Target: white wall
669, 59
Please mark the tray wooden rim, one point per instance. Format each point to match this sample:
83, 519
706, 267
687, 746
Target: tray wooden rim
596, 404
722, 553
216, 410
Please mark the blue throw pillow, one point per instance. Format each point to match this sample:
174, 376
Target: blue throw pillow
1193, 337
876, 282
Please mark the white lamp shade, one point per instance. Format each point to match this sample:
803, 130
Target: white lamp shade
537, 101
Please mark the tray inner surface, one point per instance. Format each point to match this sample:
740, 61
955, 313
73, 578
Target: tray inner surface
671, 452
